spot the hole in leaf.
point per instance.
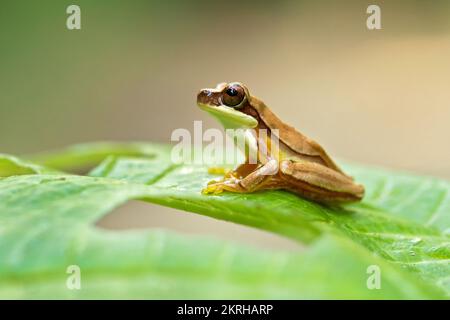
(142, 215)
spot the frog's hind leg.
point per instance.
(230, 181)
(319, 183)
(231, 185)
(261, 178)
(234, 185)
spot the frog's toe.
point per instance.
(212, 182)
(212, 188)
(206, 191)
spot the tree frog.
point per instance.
(300, 165)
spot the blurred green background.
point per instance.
(132, 72)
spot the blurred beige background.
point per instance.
(132, 72)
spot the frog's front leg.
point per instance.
(242, 181)
(240, 172)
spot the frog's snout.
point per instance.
(208, 97)
(208, 92)
(204, 93)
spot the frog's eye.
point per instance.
(233, 95)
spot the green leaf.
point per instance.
(414, 234)
(47, 223)
(84, 156)
(424, 200)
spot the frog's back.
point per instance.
(293, 144)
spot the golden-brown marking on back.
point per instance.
(290, 136)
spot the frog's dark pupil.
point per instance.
(232, 92)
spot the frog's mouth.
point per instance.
(210, 100)
(229, 117)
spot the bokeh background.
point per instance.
(378, 97)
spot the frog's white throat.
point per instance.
(229, 117)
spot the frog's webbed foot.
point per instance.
(229, 182)
(244, 180)
(217, 187)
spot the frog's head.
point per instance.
(227, 103)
